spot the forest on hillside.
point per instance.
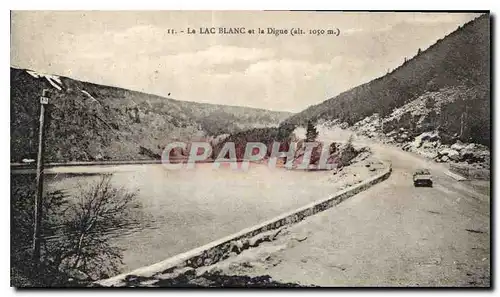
(87, 122)
(461, 59)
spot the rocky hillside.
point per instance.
(86, 121)
(445, 88)
(412, 127)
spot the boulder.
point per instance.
(452, 154)
(473, 155)
(427, 140)
(470, 146)
(429, 145)
(400, 139)
(392, 133)
(429, 136)
(344, 125)
(485, 154)
(458, 146)
(455, 156)
(417, 142)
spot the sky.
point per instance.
(135, 50)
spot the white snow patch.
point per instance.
(54, 80)
(33, 73)
(88, 95)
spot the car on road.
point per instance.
(422, 177)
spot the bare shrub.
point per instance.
(77, 246)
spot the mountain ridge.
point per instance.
(88, 121)
(145, 93)
(459, 59)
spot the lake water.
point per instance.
(184, 209)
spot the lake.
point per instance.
(184, 209)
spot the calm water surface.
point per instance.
(184, 209)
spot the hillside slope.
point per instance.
(458, 62)
(86, 121)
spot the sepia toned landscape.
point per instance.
(250, 149)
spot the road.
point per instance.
(393, 234)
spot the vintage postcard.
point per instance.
(250, 149)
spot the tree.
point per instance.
(77, 233)
(92, 220)
(311, 133)
(285, 131)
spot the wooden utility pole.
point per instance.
(44, 100)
